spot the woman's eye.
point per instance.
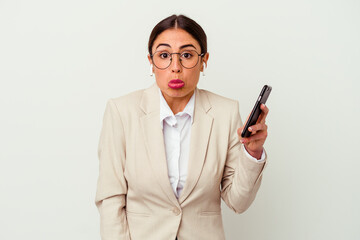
(186, 55)
(164, 55)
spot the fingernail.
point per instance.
(250, 129)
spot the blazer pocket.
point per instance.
(210, 213)
(129, 213)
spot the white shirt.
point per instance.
(177, 132)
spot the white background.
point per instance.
(61, 60)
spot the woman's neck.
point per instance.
(177, 104)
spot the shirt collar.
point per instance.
(165, 110)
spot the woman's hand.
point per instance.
(254, 143)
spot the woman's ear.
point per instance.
(205, 59)
(151, 71)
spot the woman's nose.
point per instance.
(175, 63)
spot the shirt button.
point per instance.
(176, 211)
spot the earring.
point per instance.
(151, 71)
(203, 69)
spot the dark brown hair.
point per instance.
(183, 22)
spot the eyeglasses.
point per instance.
(188, 58)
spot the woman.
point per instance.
(170, 152)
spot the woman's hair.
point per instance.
(182, 22)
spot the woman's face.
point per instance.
(175, 41)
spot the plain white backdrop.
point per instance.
(61, 60)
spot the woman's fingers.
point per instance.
(255, 137)
(264, 113)
(258, 131)
(257, 127)
(254, 143)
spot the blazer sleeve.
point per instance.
(112, 186)
(242, 175)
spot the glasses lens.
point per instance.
(188, 59)
(162, 59)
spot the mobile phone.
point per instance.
(255, 113)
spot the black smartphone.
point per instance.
(255, 113)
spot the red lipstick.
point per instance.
(176, 83)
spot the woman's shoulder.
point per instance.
(128, 104)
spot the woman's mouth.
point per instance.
(176, 83)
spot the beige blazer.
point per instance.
(134, 196)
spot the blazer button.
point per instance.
(176, 211)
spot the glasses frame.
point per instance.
(199, 55)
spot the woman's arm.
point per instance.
(242, 175)
(112, 186)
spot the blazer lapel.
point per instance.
(154, 139)
(200, 133)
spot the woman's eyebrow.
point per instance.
(187, 45)
(167, 45)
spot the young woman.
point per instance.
(170, 152)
